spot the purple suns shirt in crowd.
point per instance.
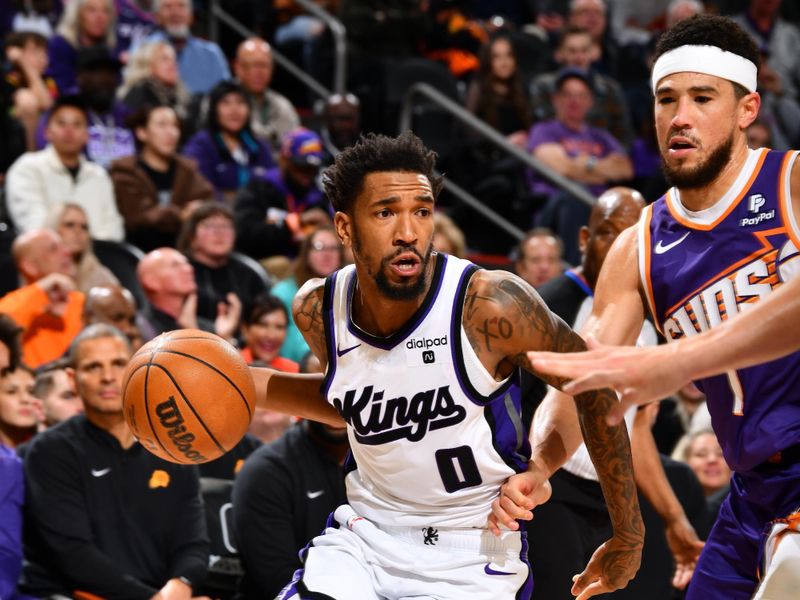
(701, 268)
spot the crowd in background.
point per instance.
(153, 179)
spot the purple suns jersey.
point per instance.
(700, 268)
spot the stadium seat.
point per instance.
(121, 259)
(255, 267)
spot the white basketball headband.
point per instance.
(708, 60)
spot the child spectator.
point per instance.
(19, 408)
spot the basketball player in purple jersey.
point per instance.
(723, 237)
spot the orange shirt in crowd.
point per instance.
(45, 337)
(278, 363)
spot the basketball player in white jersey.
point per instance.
(722, 240)
(422, 352)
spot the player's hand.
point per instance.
(685, 547)
(611, 567)
(518, 497)
(187, 318)
(639, 375)
(228, 315)
(57, 286)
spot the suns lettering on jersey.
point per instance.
(730, 293)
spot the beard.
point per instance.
(411, 289)
(704, 173)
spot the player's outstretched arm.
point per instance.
(766, 331)
(503, 318)
(295, 394)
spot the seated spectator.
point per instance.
(496, 94)
(167, 278)
(33, 93)
(152, 79)
(539, 257)
(703, 454)
(264, 329)
(70, 222)
(84, 24)
(320, 255)
(592, 15)
(200, 62)
(56, 391)
(282, 499)
(19, 408)
(573, 148)
(12, 132)
(38, 181)
(285, 201)
(226, 151)
(156, 186)
(609, 110)
(40, 17)
(113, 305)
(207, 239)
(447, 236)
(47, 307)
(681, 414)
(12, 485)
(149, 540)
(272, 115)
(341, 124)
(779, 108)
(759, 135)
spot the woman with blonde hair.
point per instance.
(70, 222)
(84, 24)
(152, 79)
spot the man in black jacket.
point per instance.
(103, 516)
(282, 498)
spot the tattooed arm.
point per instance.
(503, 318)
(295, 394)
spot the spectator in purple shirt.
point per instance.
(84, 24)
(226, 151)
(576, 150)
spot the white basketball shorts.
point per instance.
(355, 559)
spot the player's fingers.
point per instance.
(493, 527)
(683, 574)
(617, 413)
(592, 381)
(593, 589)
(513, 509)
(502, 517)
(583, 580)
(513, 493)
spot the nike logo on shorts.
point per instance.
(101, 472)
(490, 571)
(341, 353)
(317, 494)
(661, 248)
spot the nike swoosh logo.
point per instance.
(317, 494)
(341, 353)
(661, 248)
(101, 472)
(490, 571)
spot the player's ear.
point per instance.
(749, 106)
(344, 228)
(583, 239)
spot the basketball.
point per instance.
(188, 396)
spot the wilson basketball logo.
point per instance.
(172, 420)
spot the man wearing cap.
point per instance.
(724, 237)
(279, 206)
(572, 147)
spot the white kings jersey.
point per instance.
(432, 434)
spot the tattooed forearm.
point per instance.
(308, 318)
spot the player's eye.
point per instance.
(666, 100)
(702, 99)
(383, 213)
(424, 212)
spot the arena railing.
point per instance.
(339, 34)
(490, 133)
(217, 14)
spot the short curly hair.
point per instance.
(375, 153)
(713, 30)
